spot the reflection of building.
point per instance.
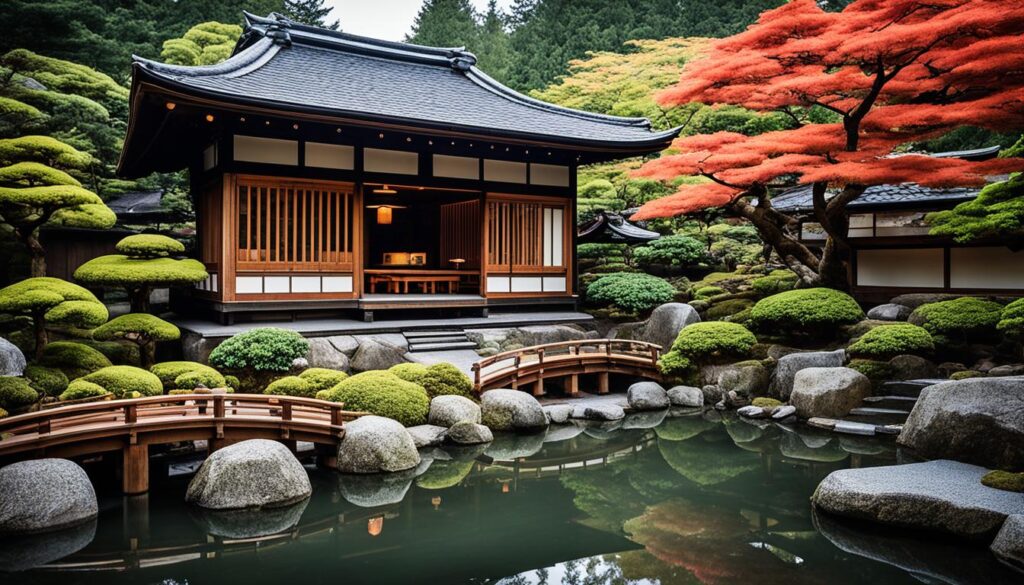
(314, 154)
(893, 252)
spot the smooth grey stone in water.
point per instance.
(257, 473)
(512, 410)
(828, 392)
(427, 435)
(373, 444)
(449, 409)
(688, 396)
(789, 365)
(44, 495)
(647, 396)
(469, 433)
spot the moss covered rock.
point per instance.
(959, 320)
(889, 341)
(291, 386)
(74, 359)
(16, 393)
(1004, 480)
(383, 394)
(126, 381)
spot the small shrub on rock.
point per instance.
(267, 349)
(16, 393)
(322, 378)
(74, 359)
(291, 386)
(384, 394)
(812, 312)
(888, 341)
(410, 372)
(444, 379)
(126, 381)
(1004, 480)
(48, 381)
(168, 373)
(636, 292)
(707, 343)
(959, 320)
(80, 389)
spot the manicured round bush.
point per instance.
(383, 394)
(671, 251)
(1011, 320)
(706, 292)
(79, 389)
(892, 340)
(291, 386)
(322, 378)
(168, 373)
(714, 341)
(444, 378)
(632, 291)
(773, 283)
(811, 312)
(16, 392)
(874, 370)
(410, 372)
(49, 381)
(74, 359)
(673, 363)
(149, 246)
(265, 349)
(959, 320)
(126, 381)
(233, 383)
(207, 377)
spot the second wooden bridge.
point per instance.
(568, 360)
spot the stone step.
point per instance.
(894, 402)
(433, 333)
(854, 428)
(439, 339)
(906, 387)
(415, 347)
(878, 416)
(869, 410)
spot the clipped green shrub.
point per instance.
(322, 378)
(599, 251)
(74, 359)
(964, 374)
(706, 343)
(149, 246)
(889, 341)
(671, 251)
(120, 353)
(410, 372)
(1004, 480)
(743, 317)
(444, 378)
(291, 386)
(874, 370)
(233, 383)
(672, 363)
(612, 267)
(79, 389)
(633, 291)
(48, 381)
(810, 312)
(728, 308)
(765, 402)
(1011, 320)
(383, 394)
(126, 381)
(142, 329)
(774, 283)
(959, 320)
(267, 349)
(16, 393)
(207, 377)
(168, 373)
(706, 292)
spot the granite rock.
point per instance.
(512, 410)
(1009, 542)
(44, 495)
(665, 323)
(469, 433)
(558, 413)
(647, 396)
(323, 354)
(374, 444)
(890, 312)
(788, 365)
(447, 410)
(828, 392)
(12, 360)
(686, 396)
(427, 435)
(257, 473)
(376, 355)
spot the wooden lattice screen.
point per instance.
(292, 226)
(521, 237)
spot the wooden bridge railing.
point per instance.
(132, 425)
(567, 359)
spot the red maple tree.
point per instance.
(859, 85)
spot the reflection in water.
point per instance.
(693, 498)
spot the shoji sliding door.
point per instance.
(528, 241)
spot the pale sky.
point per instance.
(390, 20)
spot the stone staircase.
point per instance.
(886, 411)
(438, 340)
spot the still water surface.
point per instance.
(690, 499)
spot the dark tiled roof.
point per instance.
(297, 67)
(132, 204)
(611, 228)
(798, 199)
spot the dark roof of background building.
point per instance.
(908, 195)
(296, 67)
(610, 228)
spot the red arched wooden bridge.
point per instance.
(132, 425)
(568, 360)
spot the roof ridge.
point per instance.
(252, 55)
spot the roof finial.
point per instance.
(277, 31)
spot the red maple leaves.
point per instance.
(886, 72)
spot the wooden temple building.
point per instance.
(336, 172)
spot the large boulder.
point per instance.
(944, 496)
(790, 364)
(447, 410)
(469, 433)
(374, 444)
(12, 361)
(686, 396)
(323, 354)
(558, 413)
(543, 334)
(376, 355)
(44, 495)
(828, 392)
(912, 367)
(257, 473)
(976, 420)
(747, 378)
(512, 410)
(647, 396)
(1009, 543)
(890, 312)
(667, 321)
(427, 435)
(345, 344)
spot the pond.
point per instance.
(693, 498)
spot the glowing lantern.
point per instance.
(383, 215)
(375, 526)
(436, 501)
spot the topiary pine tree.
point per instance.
(52, 301)
(144, 263)
(141, 329)
(206, 43)
(35, 191)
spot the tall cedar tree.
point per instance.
(312, 12)
(493, 48)
(444, 23)
(887, 72)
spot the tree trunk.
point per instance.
(771, 228)
(139, 298)
(37, 253)
(39, 329)
(147, 354)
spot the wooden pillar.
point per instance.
(538, 387)
(135, 469)
(572, 385)
(602, 383)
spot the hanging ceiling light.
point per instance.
(383, 216)
(384, 190)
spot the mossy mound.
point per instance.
(965, 374)
(812, 312)
(81, 389)
(1004, 480)
(48, 381)
(193, 379)
(888, 341)
(126, 381)
(149, 246)
(291, 386)
(384, 394)
(706, 343)
(446, 379)
(322, 378)
(765, 402)
(16, 393)
(409, 371)
(168, 373)
(74, 359)
(959, 320)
